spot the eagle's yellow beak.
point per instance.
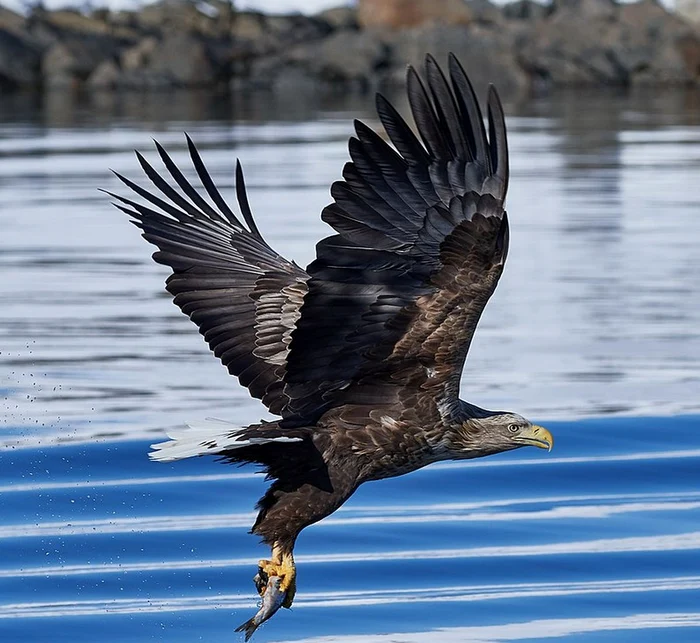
(536, 436)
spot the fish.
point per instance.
(272, 600)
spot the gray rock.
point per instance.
(19, 61)
(487, 53)
(588, 9)
(177, 60)
(249, 26)
(187, 44)
(638, 43)
(484, 11)
(256, 34)
(70, 63)
(345, 56)
(211, 18)
(105, 76)
(658, 46)
(183, 60)
(525, 10)
(339, 17)
(565, 51)
(139, 56)
(689, 10)
(325, 61)
(12, 22)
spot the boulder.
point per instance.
(569, 48)
(212, 19)
(296, 28)
(339, 17)
(657, 46)
(603, 43)
(484, 11)
(12, 22)
(183, 44)
(183, 60)
(525, 10)
(399, 14)
(689, 10)
(249, 26)
(487, 53)
(329, 58)
(105, 76)
(74, 22)
(70, 63)
(324, 62)
(20, 61)
(49, 27)
(139, 55)
(587, 9)
(256, 34)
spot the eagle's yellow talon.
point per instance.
(283, 566)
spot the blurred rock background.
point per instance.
(523, 45)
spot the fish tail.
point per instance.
(248, 627)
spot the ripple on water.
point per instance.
(596, 314)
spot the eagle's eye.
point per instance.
(513, 428)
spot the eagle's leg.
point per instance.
(281, 565)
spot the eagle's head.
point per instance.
(499, 431)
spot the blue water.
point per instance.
(594, 331)
(599, 538)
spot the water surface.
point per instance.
(594, 330)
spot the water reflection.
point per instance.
(596, 312)
(66, 109)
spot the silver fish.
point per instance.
(272, 600)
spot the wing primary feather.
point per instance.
(184, 184)
(446, 108)
(400, 133)
(242, 198)
(225, 277)
(391, 166)
(382, 153)
(209, 186)
(497, 139)
(166, 189)
(424, 115)
(143, 213)
(163, 205)
(471, 112)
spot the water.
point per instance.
(593, 331)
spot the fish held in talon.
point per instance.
(272, 599)
(359, 356)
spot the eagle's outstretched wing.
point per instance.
(422, 238)
(243, 296)
(396, 294)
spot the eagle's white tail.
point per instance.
(208, 437)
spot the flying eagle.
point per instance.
(360, 355)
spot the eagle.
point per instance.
(360, 355)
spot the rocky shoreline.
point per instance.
(522, 45)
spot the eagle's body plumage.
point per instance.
(360, 355)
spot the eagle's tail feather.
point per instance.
(208, 437)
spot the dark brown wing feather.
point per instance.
(243, 296)
(422, 238)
